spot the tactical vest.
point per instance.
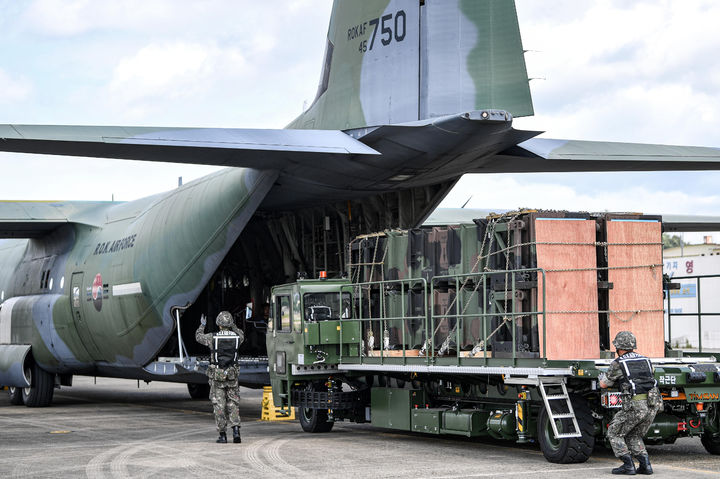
(224, 349)
(638, 373)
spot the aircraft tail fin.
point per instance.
(395, 61)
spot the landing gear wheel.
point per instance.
(199, 391)
(711, 443)
(42, 386)
(16, 398)
(314, 420)
(569, 450)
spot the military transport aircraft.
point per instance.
(413, 94)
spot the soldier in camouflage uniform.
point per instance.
(223, 372)
(633, 374)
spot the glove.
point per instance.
(203, 319)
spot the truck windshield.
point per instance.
(326, 306)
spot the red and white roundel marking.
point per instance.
(97, 287)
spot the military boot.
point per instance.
(645, 467)
(628, 467)
(236, 434)
(222, 438)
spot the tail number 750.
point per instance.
(392, 27)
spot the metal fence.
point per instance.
(388, 317)
(698, 281)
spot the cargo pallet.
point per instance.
(498, 329)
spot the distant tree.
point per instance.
(672, 241)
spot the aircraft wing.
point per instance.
(690, 223)
(35, 219)
(549, 155)
(671, 222)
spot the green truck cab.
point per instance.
(310, 329)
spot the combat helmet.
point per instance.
(625, 340)
(224, 320)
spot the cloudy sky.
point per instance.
(615, 70)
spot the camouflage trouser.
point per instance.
(225, 399)
(628, 427)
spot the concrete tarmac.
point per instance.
(115, 429)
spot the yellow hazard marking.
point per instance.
(581, 372)
(338, 328)
(306, 330)
(270, 412)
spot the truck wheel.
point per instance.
(199, 391)
(568, 450)
(16, 398)
(314, 420)
(42, 386)
(711, 443)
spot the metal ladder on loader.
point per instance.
(548, 398)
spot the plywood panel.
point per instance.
(576, 335)
(394, 353)
(637, 288)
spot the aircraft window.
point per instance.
(283, 313)
(2, 296)
(50, 284)
(62, 282)
(76, 297)
(326, 306)
(44, 279)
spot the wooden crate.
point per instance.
(574, 335)
(637, 288)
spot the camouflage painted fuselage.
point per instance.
(110, 278)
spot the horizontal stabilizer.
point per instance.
(253, 148)
(413, 154)
(548, 155)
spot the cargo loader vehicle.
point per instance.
(496, 329)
